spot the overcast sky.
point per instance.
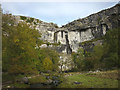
(57, 12)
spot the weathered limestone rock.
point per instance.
(93, 26)
(77, 31)
(65, 62)
(43, 46)
(86, 35)
(25, 80)
(74, 37)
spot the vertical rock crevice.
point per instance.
(55, 37)
(69, 50)
(62, 34)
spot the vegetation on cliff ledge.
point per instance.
(103, 57)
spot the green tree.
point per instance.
(78, 59)
(110, 58)
(46, 52)
(47, 64)
(19, 42)
(98, 52)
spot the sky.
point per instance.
(60, 13)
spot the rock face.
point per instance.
(71, 35)
(46, 30)
(65, 62)
(91, 27)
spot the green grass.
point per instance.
(113, 74)
(7, 77)
(38, 79)
(10, 77)
(10, 80)
(20, 85)
(105, 79)
(17, 85)
(88, 82)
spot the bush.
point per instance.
(102, 57)
(23, 17)
(19, 53)
(78, 59)
(30, 20)
(111, 61)
(47, 64)
(37, 79)
(51, 55)
(35, 23)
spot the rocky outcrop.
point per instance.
(72, 34)
(66, 62)
(46, 30)
(107, 16)
(93, 26)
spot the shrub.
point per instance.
(23, 17)
(47, 64)
(30, 20)
(50, 55)
(38, 79)
(35, 23)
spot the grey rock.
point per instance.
(25, 80)
(77, 82)
(50, 81)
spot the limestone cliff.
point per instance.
(46, 29)
(72, 34)
(93, 26)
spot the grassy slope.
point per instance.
(106, 79)
(89, 81)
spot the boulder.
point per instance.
(50, 81)
(25, 80)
